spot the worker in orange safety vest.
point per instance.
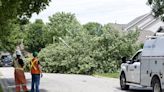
(35, 72)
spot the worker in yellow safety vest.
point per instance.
(36, 73)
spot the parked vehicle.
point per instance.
(146, 67)
(6, 60)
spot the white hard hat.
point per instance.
(18, 52)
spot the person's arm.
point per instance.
(29, 64)
(14, 63)
(40, 68)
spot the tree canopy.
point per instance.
(9, 39)
(35, 36)
(93, 28)
(85, 49)
(157, 7)
(12, 9)
(62, 24)
(13, 13)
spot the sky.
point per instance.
(101, 11)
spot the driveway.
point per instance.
(66, 83)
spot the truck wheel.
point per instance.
(123, 82)
(156, 85)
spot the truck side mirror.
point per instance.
(123, 59)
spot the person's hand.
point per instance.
(41, 75)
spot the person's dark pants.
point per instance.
(35, 82)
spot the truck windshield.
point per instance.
(137, 57)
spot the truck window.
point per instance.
(137, 57)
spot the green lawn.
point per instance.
(1, 89)
(109, 75)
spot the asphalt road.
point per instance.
(67, 83)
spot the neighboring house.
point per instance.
(116, 26)
(143, 34)
(147, 24)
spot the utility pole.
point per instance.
(61, 41)
(64, 42)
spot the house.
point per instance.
(147, 24)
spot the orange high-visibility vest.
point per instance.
(35, 66)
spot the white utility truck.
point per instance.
(146, 67)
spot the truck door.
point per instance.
(134, 68)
